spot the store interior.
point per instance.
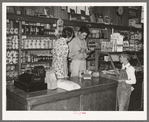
(113, 30)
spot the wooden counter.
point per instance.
(98, 94)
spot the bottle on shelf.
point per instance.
(34, 29)
(37, 29)
(27, 28)
(30, 29)
(41, 31)
(28, 58)
(23, 28)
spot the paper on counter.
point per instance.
(67, 85)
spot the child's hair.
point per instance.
(68, 32)
(124, 54)
(84, 29)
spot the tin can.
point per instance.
(11, 30)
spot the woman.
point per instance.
(60, 52)
(126, 79)
(78, 51)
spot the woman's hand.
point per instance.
(88, 51)
(82, 50)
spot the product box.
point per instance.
(119, 49)
(29, 11)
(106, 46)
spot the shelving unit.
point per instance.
(42, 62)
(70, 23)
(36, 49)
(19, 19)
(12, 50)
(33, 19)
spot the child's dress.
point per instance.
(59, 62)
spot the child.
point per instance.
(126, 79)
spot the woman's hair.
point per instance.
(126, 55)
(84, 29)
(68, 32)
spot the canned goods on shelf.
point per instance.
(11, 31)
(12, 67)
(16, 30)
(8, 68)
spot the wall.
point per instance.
(59, 13)
(110, 11)
(106, 11)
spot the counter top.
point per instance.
(39, 97)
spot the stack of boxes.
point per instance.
(114, 45)
(117, 41)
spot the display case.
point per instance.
(107, 62)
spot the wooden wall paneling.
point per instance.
(106, 11)
(63, 105)
(115, 19)
(125, 18)
(14, 105)
(110, 11)
(100, 101)
(56, 12)
(93, 101)
(59, 13)
(64, 14)
(113, 15)
(109, 98)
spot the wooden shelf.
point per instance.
(104, 52)
(28, 18)
(12, 34)
(12, 49)
(35, 49)
(44, 62)
(50, 36)
(100, 25)
(108, 61)
(12, 64)
(69, 22)
(96, 38)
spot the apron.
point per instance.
(123, 91)
(123, 76)
(76, 66)
(79, 63)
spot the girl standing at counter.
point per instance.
(60, 52)
(126, 79)
(78, 51)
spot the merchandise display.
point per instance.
(31, 34)
(12, 52)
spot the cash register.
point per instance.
(33, 80)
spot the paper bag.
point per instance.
(51, 80)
